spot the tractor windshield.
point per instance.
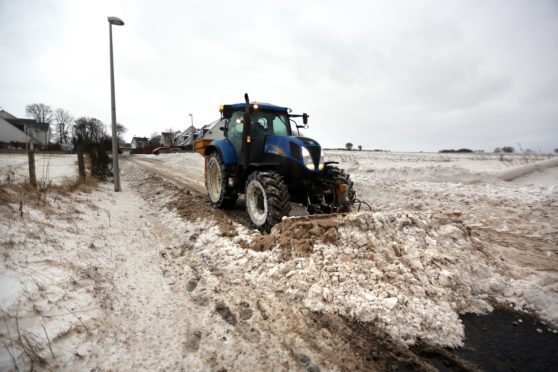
(271, 122)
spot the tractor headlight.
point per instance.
(307, 159)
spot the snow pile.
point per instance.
(410, 273)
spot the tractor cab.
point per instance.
(247, 132)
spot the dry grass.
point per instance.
(20, 339)
(22, 193)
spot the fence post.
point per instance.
(81, 163)
(31, 158)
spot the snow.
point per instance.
(152, 278)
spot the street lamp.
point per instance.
(117, 22)
(193, 131)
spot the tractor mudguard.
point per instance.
(225, 148)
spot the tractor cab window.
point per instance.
(235, 128)
(272, 123)
(262, 124)
(281, 125)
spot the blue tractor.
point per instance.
(261, 158)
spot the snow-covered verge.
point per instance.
(54, 275)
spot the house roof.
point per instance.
(6, 115)
(22, 123)
(140, 139)
(187, 131)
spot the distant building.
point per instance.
(185, 138)
(13, 129)
(191, 134)
(212, 130)
(126, 148)
(167, 139)
(139, 142)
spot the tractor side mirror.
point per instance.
(305, 118)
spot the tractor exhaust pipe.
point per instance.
(246, 132)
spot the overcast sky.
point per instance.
(397, 75)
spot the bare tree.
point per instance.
(120, 129)
(349, 146)
(40, 112)
(62, 120)
(89, 135)
(89, 130)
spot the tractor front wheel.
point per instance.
(267, 199)
(342, 193)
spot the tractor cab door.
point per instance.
(261, 125)
(234, 133)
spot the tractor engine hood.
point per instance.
(301, 149)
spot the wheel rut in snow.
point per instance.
(188, 198)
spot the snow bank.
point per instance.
(411, 273)
(516, 172)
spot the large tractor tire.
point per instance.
(267, 199)
(342, 194)
(220, 194)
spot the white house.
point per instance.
(139, 142)
(13, 129)
(166, 139)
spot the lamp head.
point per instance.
(115, 21)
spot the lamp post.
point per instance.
(193, 131)
(117, 22)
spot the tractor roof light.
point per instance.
(221, 108)
(256, 106)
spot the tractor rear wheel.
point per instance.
(220, 194)
(267, 199)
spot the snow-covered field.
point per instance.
(153, 278)
(48, 167)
